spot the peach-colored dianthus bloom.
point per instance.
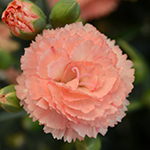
(92, 9)
(75, 82)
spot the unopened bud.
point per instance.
(24, 19)
(64, 12)
(8, 100)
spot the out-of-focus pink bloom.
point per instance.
(92, 9)
(6, 43)
(4, 31)
(75, 82)
(11, 74)
(22, 19)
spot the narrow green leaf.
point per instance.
(140, 65)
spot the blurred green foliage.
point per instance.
(88, 144)
(5, 59)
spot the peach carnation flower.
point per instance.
(75, 82)
(92, 9)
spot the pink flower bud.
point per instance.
(24, 19)
(8, 100)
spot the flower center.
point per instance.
(80, 77)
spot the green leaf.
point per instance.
(134, 106)
(5, 59)
(140, 65)
(88, 144)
